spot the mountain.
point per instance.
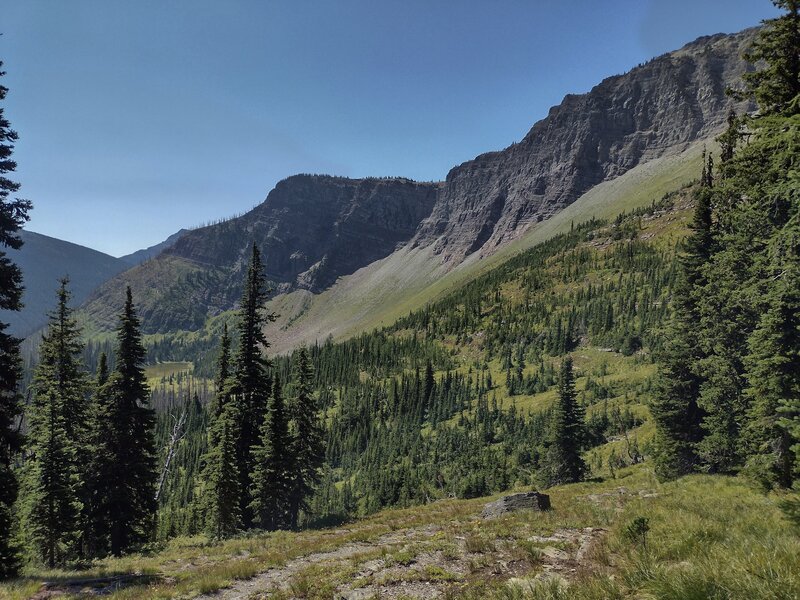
(311, 230)
(656, 109)
(135, 258)
(44, 260)
(381, 241)
(314, 228)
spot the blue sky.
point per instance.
(139, 118)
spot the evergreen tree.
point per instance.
(273, 468)
(50, 494)
(221, 492)
(221, 495)
(674, 407)
(729, 140)
(430, 384)
(773, 374)
(223, 373)
(776, 86)
(222, 391)
(307, 448)
(13, 214)
(94, 525)
(102, 371)
(250, 387)
(124, 443)
(53, 489)
(564, 463)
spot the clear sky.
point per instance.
(137, 118)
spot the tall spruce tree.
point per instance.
(273, 467)
(674, 406)
(221, 382)
(222, 390)
(564, 463)
(250, 388)
(773, 375)
(221, 491)
(95, 526)
(221, 494)
(57, 440)
(13, 214)
(306, 448)
(125, 445)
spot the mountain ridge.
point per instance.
(43, 260)
(139, 256)
(660, 106)
(314, 230)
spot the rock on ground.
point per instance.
(514, 502)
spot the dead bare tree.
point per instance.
(634, 456)
(177, 435)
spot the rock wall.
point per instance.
(656, 108)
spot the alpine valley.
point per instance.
(319, 397)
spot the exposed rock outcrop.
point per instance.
(656, 108)
(515, 502)
(312, 229)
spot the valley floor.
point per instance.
(709, 537)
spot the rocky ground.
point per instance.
(427, 562)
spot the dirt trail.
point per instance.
(280, 578)
(423, 563)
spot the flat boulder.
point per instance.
(515, 502)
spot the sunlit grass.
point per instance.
(709, 537)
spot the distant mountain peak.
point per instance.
(44, 260)
(135, 258)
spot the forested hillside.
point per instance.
(455, 399)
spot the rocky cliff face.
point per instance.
(657, 108)
(314, 229)
(311, 229)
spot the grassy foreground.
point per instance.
(709, 537)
